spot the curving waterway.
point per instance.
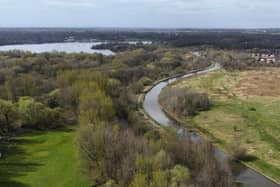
(242, 173)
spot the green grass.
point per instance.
(43, 159)
(253, 121)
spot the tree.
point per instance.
(109, 153)
(28, 83)
(8, 115)
(37, 115)
(53, 98)
(180, 176)
(139, 180)
(159, 179)
(162, 161)
(100, 58)
(10, 88)
(95, 106)
(32, 113)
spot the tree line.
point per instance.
(220, 39)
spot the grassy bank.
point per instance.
(246, 109)
(42, 159)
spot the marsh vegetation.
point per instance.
(244, 114)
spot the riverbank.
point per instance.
(235, 117)
(148, 88)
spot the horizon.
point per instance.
(148, 28)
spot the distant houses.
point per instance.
(267, 57)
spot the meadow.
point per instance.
(43, 159)
(245, 111)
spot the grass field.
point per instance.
(246, 109)
(42, 159)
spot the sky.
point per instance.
(141, 13)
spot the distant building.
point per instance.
(266, 57)
(70, 39)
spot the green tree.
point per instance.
(8, 115)
(159, 179)
(161, 160)
(139, 180)
(10, 88)
(32, 113)
(36, 114)
(144, 164)
(95, 106)
(180, 176)
(28, 83)
(53, 98)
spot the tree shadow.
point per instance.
(32, 132)
(13, 162)
(249, 158)
(238, 168)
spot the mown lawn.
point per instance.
(246, 109)
(42, 159)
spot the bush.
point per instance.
(8, 116)
(180, 176)
(36, 115)
(238, 152)
(146, 81)
(183, 101)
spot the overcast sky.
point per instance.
(141, 13)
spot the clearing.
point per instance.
(43, 159)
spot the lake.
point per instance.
(71, 47)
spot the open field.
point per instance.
(246, 109)
(43, 159)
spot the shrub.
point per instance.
(180, 176)
(36, 115)
(146, 81)
(8, 116)
(238, 152)
(183, 101)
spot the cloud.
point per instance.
(152, 13)
(164, 5)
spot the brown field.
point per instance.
(259, 83)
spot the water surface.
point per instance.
(70, 47)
